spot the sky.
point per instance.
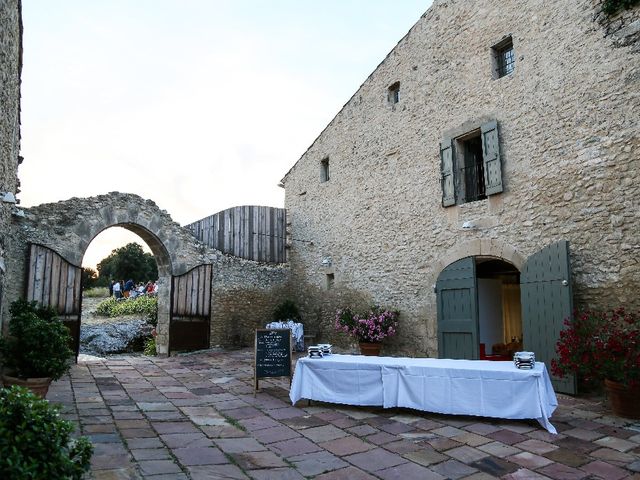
(198, 105)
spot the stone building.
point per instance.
(10, 67)
(492, 132)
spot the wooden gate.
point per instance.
(546, 298)
(458, 310)
(54, 282)
(190, 319)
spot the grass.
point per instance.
(96, 292)
(146, 306)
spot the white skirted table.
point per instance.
(297, 331)
(458, 387)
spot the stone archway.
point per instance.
(68, 227)
(478, 247)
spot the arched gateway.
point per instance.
(58, 235)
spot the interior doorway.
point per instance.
(499, 308)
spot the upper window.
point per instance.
(324, 170)
(504, 58)
(470, 165)
(393, 94)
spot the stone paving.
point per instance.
(195, 417)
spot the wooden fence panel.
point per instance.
(251, 232)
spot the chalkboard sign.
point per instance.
(273, 354)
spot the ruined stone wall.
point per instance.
(244, 292)
(569, 139)
(10, 68)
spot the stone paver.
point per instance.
(377, 459)
(311, 464)
(195, 417)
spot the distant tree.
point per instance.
(89, 278)
(128, 262)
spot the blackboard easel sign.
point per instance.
(272, 354)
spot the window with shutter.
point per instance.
(471, 167)
(491, 158)
(447, 179)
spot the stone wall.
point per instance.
(244, 292)
(569, 140)
(10, 68)
(623, 28)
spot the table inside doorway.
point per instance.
(458, 387)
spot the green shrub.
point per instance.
(96, 292)
(145, 305)
(286, 310)
(611, 7)
(150, 347)
(35, 443)
(38, 343)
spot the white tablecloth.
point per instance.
(459, 387)
(297, 330)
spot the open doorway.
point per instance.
(119, 294)
(499, 309)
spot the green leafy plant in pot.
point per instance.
(35, 443)
(37, 348)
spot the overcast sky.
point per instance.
(199, 105)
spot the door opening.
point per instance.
(499, 310)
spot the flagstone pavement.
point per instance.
(195, 417)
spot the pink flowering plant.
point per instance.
(368, 327)
(600, 345)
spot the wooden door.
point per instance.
(458, 310)
(54, 282)
(190, 319)
(547, 300)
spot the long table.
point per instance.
(458, 387)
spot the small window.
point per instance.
(393, 95)
(504, 58)
(324, 170)
(331, 280)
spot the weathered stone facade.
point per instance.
(10, 67)
(244, 292)
(569, 143)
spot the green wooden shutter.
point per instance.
(446, 168)
(458, 310)
(491, 158)
(545, 292)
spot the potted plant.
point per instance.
(37, 348)
(604, 348)
(35, 442)
(369, 328)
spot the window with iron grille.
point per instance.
(471, 168)
(504, 58)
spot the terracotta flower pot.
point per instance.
(370, 349)
(39, 386)
(623, 400)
